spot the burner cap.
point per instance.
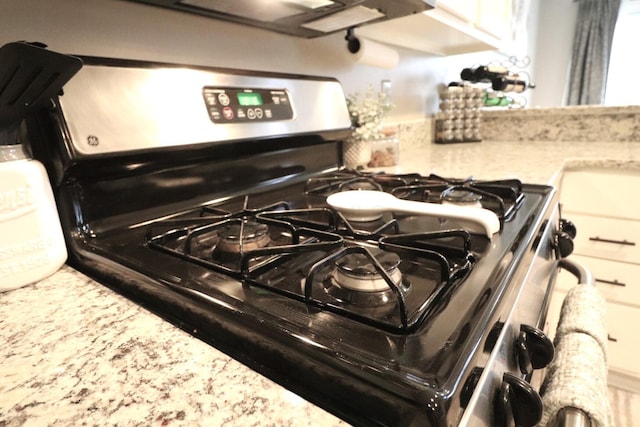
(243, 236)
(357, 271)
(461, 197)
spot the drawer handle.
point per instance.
(610, 338)
(613, 282)
(619, 242)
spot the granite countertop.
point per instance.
(537, 162)
(75, 353)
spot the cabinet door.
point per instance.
(494, 17)
(623, 345)
(468, 10)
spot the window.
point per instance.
(622, 87)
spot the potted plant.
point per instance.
(366, 114)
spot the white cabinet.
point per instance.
(452, 27)
(602, 204)
(495, 18)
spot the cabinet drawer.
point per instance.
(618, 281)
(607, 238)
(601, 192)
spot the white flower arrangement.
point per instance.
(367, 114)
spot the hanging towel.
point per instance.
(577, 378)
(584, 310)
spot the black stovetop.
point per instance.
(279, 309)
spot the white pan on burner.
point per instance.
(369, 205)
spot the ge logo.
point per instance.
(92, 140)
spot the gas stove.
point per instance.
(202, 195)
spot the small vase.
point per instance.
(356, 152)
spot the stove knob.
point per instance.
(564, 244)
(470, 386)
(516, 403)
(564, 238)
(534, 349)
(568, 227)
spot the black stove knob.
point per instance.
(564, 238)
(564, 244)
(534, 349)
(470, 386)
(516, 403)
(568, 227)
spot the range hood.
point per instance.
(301, 18)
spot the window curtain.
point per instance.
(592, 42)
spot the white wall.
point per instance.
(118, 28)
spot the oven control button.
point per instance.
(227, 112)
(516, 403)
(534, 349)
(224, 98)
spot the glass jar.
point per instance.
(385, 151)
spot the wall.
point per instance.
(119, 28)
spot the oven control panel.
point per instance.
(242, 105)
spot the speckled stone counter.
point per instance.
(75, 353)
(530, 144)
(536, 162)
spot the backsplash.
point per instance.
(583, 123)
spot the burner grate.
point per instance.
(293, 252)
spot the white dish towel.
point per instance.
(577, 377)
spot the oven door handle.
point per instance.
(584, 276)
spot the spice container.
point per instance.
(385, 151)
(459, 117)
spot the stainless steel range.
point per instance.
(201, 194)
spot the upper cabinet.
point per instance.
(452, 27)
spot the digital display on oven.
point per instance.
(247, 105)
(249, 98)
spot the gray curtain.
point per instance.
(592, 41)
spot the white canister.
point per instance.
(32, 244)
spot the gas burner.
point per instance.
(242, 236)
(360, 184)
(461, 197)
(358, 271)
(357, 279)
